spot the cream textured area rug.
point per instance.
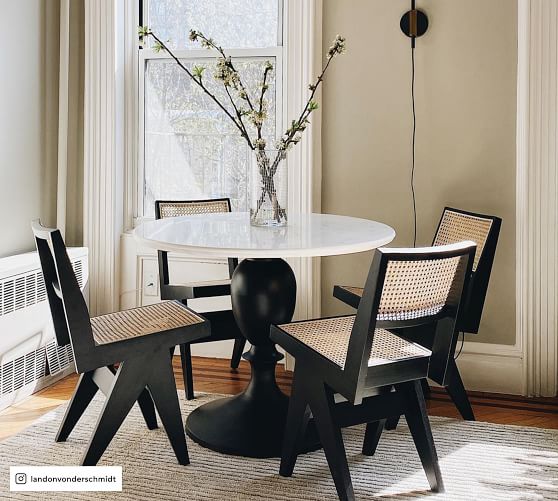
(479, 461)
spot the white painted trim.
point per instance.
(500, 350)
(103, 152)
(131, 118)
(63, 84)
(203, 54)
(302, 38)
(495, 368)
(536, 195)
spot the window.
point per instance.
(188, 148)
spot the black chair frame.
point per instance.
(223, 325)
(144, 372)
(472, 307)
(373, 394)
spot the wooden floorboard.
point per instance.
(215, 376)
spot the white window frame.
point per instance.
(301, 58)
(146, 54)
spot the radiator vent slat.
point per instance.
(78, 271)
(28, 289)
(7, 377)
(27, 369)
(19, 373)
(59, 357)
(8, 296)
(20, 293)
(41, 288)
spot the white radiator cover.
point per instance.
(30, 359)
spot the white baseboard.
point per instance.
(495, 368)
(216, 349)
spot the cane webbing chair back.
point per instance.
(174, 208)
(415, 289)
(191, 208)
(69, 310)
(411, 287)
(457, 225)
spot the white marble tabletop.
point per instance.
(231, 235)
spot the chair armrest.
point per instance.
(349, 295)
(193, 290)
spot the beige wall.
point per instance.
(29, 125)
(28, 110)
(466, 103)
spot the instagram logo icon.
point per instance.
(20, 478)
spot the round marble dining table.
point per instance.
(263, 292)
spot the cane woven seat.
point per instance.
(192, 208)
(330, 338)
(142, 321)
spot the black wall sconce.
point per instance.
(413, 24)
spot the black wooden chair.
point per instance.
(139, 340)
(374, 369)
(223, 324)
(455, 226)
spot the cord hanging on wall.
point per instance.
(413, 24)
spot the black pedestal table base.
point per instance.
(251, 424)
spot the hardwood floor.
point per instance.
(215, 376)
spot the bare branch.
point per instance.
(203, 87)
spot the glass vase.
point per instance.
(268, 188)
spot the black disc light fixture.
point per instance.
(413, 24)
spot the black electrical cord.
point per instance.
(413, 145)
(461, 347)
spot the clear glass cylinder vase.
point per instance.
(268, 188)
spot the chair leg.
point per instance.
(238, 349)
(392, 423)
(457, 393)
(129, 382)
(425, 387)
(148, 409)
(162, 387)
(321, 405)
(186, 360)
(144, 400)
(83, 394)
(419, 425)
(296, 424)
(372, 437)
